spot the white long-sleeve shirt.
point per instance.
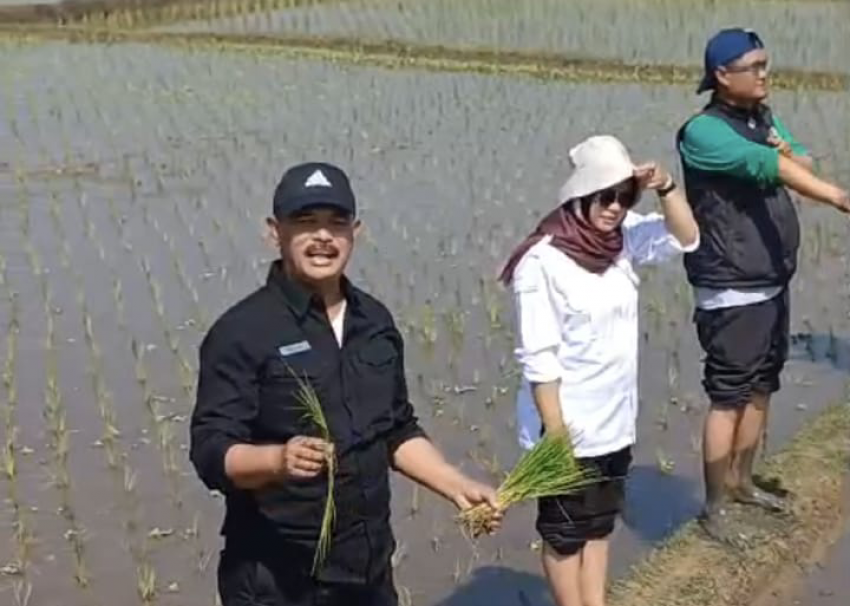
(582, 328)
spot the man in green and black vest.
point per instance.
(739, 162)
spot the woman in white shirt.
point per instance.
(576, 293)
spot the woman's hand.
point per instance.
(652, 175)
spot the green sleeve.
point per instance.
(798, 148)
(711, 145)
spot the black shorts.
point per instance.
(246, 581)
(567, 522)
(745, 348)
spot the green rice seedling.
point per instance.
(414, 501)
(24, 538)
(22, 592)
(166, 445)
(10, 465)
(665, 464)
(129, 479)
(550, 468)
(696, 442)
(454, 321)
(118, 299)
(146, 583)
(81, 573)
(405, 596)
(489, 463)
(457, 574)
(188, 376)
(311, 408)
(172, 340)
(427, 326)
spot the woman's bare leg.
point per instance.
(594, 570)
(564, 576)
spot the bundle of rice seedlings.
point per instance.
(547, 470)
(312, 409)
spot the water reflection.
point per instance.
(657, 504)
(500, 586)
(821, 348)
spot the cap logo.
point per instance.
(317, 179)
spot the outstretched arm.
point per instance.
(711, 145)
(807, 184)
(419, 460)
(416, 457)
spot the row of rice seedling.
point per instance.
(125, 477)
(163, 420)
(635, 32)
(23, 536)
(90, 231)
(59, 438)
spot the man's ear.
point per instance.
(721, 76)
(272, 234)
(358, 227)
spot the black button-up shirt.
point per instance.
(246, 394)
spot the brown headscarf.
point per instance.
(574, 236)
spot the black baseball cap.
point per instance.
(313, 184)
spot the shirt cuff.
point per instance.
(541, 367)
(767, 168)
(209, 461)
(686, 249)
(403, 433)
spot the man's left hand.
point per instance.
(781, 144)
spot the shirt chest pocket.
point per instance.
(597, 314)
(286, 383)
(376, 368)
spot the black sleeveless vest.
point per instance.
(749, 234)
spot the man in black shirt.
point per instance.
(251, 441)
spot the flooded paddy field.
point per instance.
(134, 181)
(653, 31)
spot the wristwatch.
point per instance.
(668, 187)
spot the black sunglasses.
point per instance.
(626, 197)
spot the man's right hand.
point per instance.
(304, 457)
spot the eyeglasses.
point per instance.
(759, 67)
(626, 197)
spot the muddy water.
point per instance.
(656, 31)
(828, 584)
(143, 178)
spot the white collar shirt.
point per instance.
(582, 328)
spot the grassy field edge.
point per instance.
(690, 570)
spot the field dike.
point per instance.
(690, 570)
(394, 54)
(139, 13)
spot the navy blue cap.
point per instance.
(313, 184)
(723, 48)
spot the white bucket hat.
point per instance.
(598, 163)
